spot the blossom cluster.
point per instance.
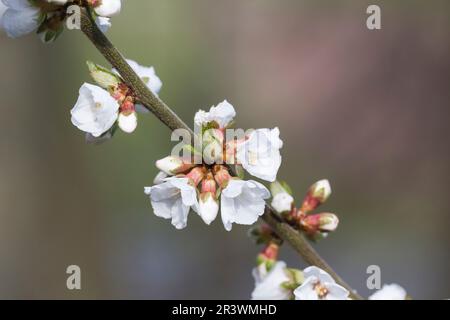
(47, 17)
(275, 281)
(212, 184)
(101, 108)
(316, 226)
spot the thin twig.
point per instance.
(171, 120)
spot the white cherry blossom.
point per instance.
(260, 153)
(147, 74)
(20, 18)
(222, 114)
(173, 199)
(389, 292)
(242, 202)
(319, 285)
(321, 190)
(269, 284)
(96, 111)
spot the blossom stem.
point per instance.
(173, 122)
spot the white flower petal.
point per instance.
(314, 271)
(17, 4)
(282, 202)
(242, 202)
(103, 23)
(170, 165)
(128, 122)
(108, 8)
(20, 18)
(147, 74)
(95, 111)
(315, 276)
(222, 114)
(3, 8)
(160, 177)
(173, 200)
(260, 153)
(306, 290)
(208, 208)
(389, 292)
(336, 292)
(269, 286)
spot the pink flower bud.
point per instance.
(322, 222)
(269, 253)
(127, 106)
(120, 92)
(209, 184)
(196, 175)
(317, 194)
(173, 165)
(221, 175)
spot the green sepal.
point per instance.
(279, 186)
(102, 76)
(296, 275)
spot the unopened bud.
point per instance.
(282, 202)
(222, 176)
(322, 222)
(103, 77)
(317, 194)
(269, 254)
(196, 175)
(209, 184)
(172, 165)
(213, 146)
(127, 121)
(120, 92)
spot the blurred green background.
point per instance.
(366, 109)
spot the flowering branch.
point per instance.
(172, 121)
(115, 58)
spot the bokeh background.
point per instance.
(368, 110)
